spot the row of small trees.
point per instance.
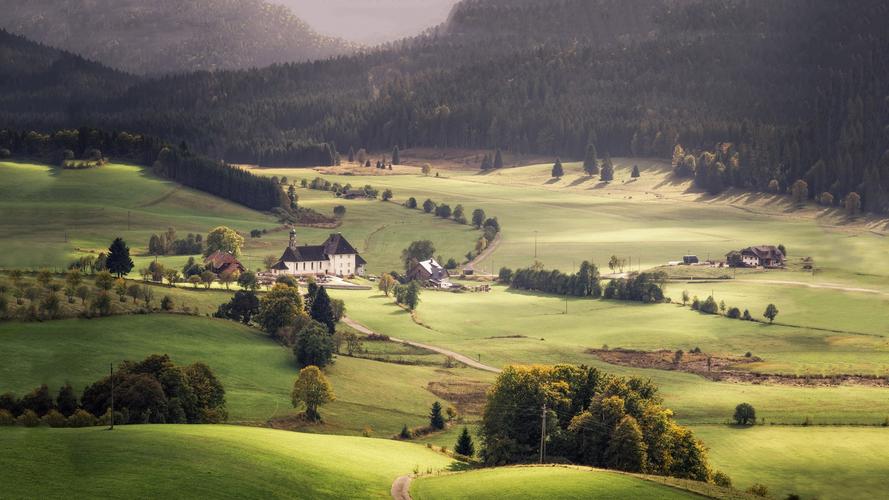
(489, 226)
(710, 306)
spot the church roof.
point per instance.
(336, 244)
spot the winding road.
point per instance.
(466, 360)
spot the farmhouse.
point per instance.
(764, 255)
(428, 271)
(223, 262)
(335, 256)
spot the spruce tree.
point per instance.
(396, 156)
(590, 161)
(464, 444)
(436, 420)
(351, 155)
(558, 171)
(486, 163)
(119, 261)
(635, 174)
(607, 173)
(498, 159)
(322, 311)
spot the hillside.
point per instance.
(815, 111)
(170, 36)
(165, 461)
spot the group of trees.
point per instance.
(492, 163)
(167, 243)
(591, 418)
(306, 323)
(642, 287)
(154, 390)
(583, 283)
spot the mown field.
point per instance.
(203, 461)
(256, 372)
(42, 206)
(541, 482)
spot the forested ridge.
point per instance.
(168, 36)
(777, 90)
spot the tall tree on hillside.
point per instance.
(224, 239)
(486, 163)
(464, 444)
(417, 251)
(322, 311)
(292, 196)
(478, 218)
(558, 171)
(498, 159)
(311, 389)
(591, 161)
(351, 154)
(436, 419)
(396, 156)
(119, 261)
(635, 173)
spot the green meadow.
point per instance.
(203, 461)
(541, 482)
(256, 372)
(814, 462)
(53, 216)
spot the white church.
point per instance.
(333, 257)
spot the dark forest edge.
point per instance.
(176, 163)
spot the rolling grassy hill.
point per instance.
(43, 205)
(202, 461)
(256, 372)
(541, 482)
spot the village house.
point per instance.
(428, 271)
(220, 262)
(333, 257)
(767, 256)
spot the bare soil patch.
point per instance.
(467, 396)
(728, 368)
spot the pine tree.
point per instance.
(436, 420)
(396, 156)
(635, 174)
(351, 155)
(322, 311)
(464, 444)
(558, 171)
(119, 261)
(486, 163)
(590, 161)
(498, 159)
(607, 172)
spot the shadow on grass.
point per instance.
(458, 466)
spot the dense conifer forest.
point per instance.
(773, 92)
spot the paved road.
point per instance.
(401, 488)
(466, 360)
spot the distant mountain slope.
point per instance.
(170, 36)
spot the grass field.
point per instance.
(256, 372)
(540, 482)
(504, 327)
(42, 206)
(814, 462)
(202, 461)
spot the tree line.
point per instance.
(151, 391)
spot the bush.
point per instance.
(733, 313)
(745, 414)
(167, 303)
(721, 479)
(28, 419)
(6, 418)
(54, 419)
(759, 490)
(81, 418)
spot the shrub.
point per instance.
(405, 433)
(721, 479)
(759, 490)
(54, 419)
(733, 313)
(745, 414)
(6, 418)
(28, 419)
(167, 303)
(81, 418)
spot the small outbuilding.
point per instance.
(690, 259)
(428, 271)
(220, 262)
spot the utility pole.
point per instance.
(112, 397)
(543, 434)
